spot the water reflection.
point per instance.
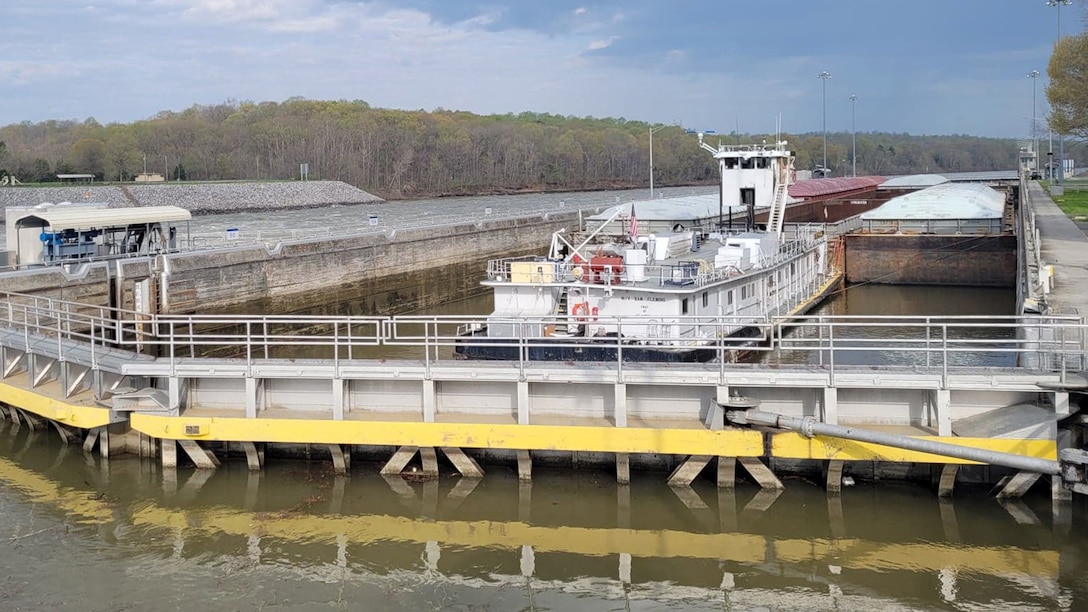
(964, 317)
(298, 535)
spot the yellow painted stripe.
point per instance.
(85, 417)
(749, 548)
(731, 443)
(796, 446)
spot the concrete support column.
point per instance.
(829, 404)
(727, 472)
(399, 460)
(338, 408)
(429, 459)
(339, 461)
(525, 466)
(466, 465)
(948, 479)
(252, 387)
(834, 476)
(1061, 403)
(173, 391)
(620, 404)
(253, 457)
(523, 405)
(88, 442)
(430, 408)
(715, 417)
(169, 453)
(686, 472)
(943, 408)
(623, 468)
(761, 473)
(117, 440)
(204, 460)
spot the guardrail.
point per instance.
(935, 344)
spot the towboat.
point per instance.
(664, 280)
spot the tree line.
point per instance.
(416, 153)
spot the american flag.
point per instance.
(634, 224)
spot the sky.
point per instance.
(918, 66)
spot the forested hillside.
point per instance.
(397, 153)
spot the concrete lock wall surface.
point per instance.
(378, 274)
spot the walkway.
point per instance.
(1065, 247)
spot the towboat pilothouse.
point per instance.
(664, 280)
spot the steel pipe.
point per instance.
(811, 427)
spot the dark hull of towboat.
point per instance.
(480, 346)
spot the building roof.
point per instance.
(944, 201)
(60, 218)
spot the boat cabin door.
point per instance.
(748, 200)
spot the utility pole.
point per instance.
(824, 76)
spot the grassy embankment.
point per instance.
(1075, 200)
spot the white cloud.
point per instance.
(602, 44)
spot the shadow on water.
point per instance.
(123, 534)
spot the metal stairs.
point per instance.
(778, 209)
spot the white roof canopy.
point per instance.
(84, 218)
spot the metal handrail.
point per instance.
(1059, 342)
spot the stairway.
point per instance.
(778, 209)
(562, 309)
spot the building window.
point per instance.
(684, 306)
(706, 299)
(729, 297)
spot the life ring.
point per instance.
(580, 311)
(793, 175)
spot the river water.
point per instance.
(80, 532)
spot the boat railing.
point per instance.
(696, 271)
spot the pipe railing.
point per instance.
(936, 343)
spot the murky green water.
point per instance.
(77, 532)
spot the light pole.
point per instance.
(652, 130)
(166, 166)
(824, 76)
(1034, 76)
(853, 136)
(1061, 137)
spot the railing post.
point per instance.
(523, 350)
(427, 349)
(928, 333)
(619, 351)
(944, 355)
(831, 351)
(249, 349)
